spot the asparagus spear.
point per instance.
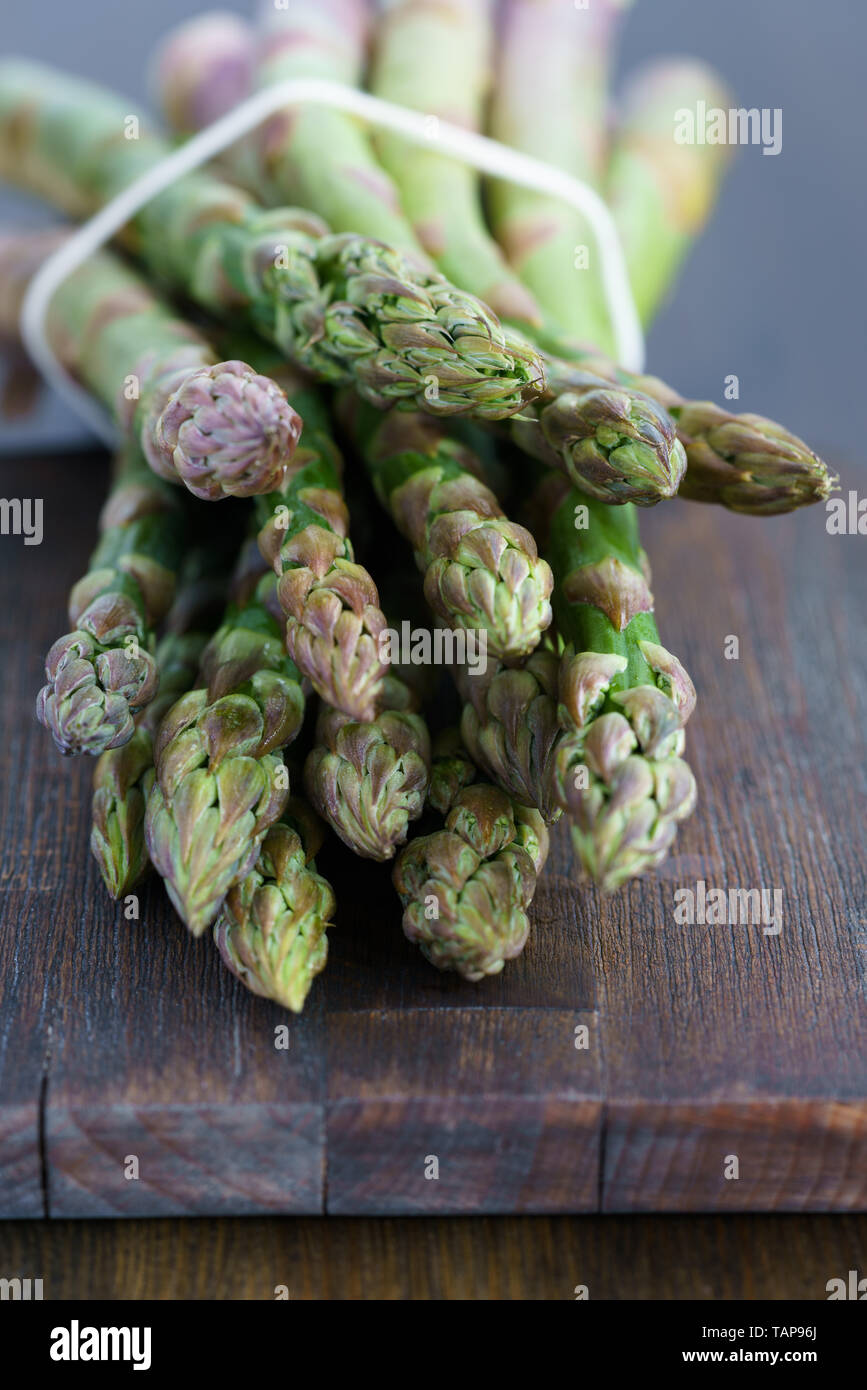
(218, 427)
(102, 671)
(435, 58)
(369, 780)
(203, 68)
(349, 310)
(623, 699)
(220, 781)
(607, 434)
(482, 572)
(549, 102)
(322, 158)
(660, 192)
(511, 729)
(466, 889)
(271, 929)
(333, 619)
(122, 776)
(309, 156)
(331, 604)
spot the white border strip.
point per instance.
(488, 156)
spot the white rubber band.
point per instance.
(488, 156)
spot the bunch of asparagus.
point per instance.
(330, 304)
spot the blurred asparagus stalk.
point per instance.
(220, 428)
(549, 99)
(309, 156)
(434, 56)
(271, 928)
(321, 158)
(661, 193)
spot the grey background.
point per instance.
(773, 292)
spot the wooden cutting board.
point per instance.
(710, 1049)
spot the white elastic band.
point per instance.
(488, 156)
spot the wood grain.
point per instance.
(713, 1258)
(122, 1039)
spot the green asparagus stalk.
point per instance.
(435, 58)
(103, 670)
(661, 193)
(321, 158)
(122, 776)
(369, 780)
(202, 69)
(623, 699)
(607, 434)
(271, 929)
(549, 102)
(466, 889)
(347, 309)
(121, 780)
(309, 156)
(511, 728)
(220, 780)
(218, 427)
(482, 572)
(334, 623)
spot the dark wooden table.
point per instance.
(707, 1043)
(475, 1258)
